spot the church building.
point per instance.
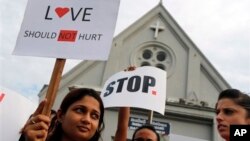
(193, 84)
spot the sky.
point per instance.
(219, 28)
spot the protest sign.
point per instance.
(67, 30)
(75, 29)
(145, 87)
(15, 110)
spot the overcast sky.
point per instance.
(219, 28)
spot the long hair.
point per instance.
(68, 100)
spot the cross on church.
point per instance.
(157, 28)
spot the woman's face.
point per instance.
(229, 113)
(81, 119)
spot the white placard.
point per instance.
(15, 110)
(73, 29)
(144, 87)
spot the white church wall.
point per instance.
(90, 77)
(191, 129)
(208, 90)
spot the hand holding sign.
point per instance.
(142, 88)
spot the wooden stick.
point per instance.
(150, 116)
(53, 85)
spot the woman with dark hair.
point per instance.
(232, 108)
(79, 118)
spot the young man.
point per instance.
(144, 133)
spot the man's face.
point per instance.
(145, 135)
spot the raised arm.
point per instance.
(123, 119)
(122, 125)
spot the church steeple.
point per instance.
(160, 2)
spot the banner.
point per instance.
(73, 29)
(15, 110)
(145, 87)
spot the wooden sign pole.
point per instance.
(53, 85)
(150, 116)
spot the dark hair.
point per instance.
(238, 97)
(53, 120)
(69, 99)
(146, 126)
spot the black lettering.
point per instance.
(120, 84)
(53, 35)
(81, 36)
(72, 13)
(31, 34)
(47, 13)
(85, 13)
(37, 34)
(26, 32)
(109, 89)
(93, 37)
(147, 81)
(87, 37)
(43, 35)
(134, 83)
(99, 36)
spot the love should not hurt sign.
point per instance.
(144, 88)
(73, 29)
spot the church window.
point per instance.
(147, 54)
(160, 66)
(145, 64)
(161, 56)
(154, 54)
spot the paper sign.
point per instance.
(15, 110)
(73, 29)
(144, 87)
